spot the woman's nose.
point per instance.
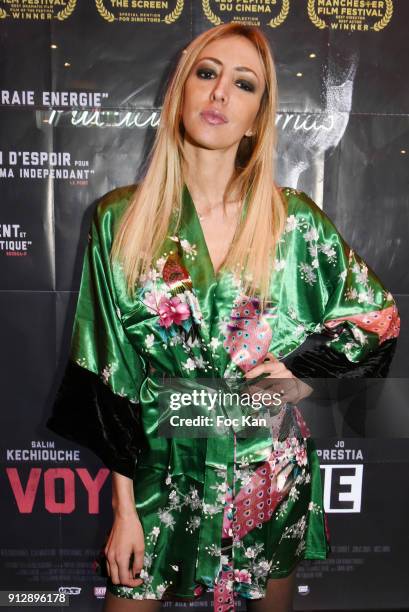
(219, 91)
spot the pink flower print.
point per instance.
(242, 576)
(152, 299)
(172, 310)
(301, 455)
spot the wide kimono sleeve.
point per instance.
(97, 404)
(357, 317)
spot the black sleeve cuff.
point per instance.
(86, 411)
(314, 362)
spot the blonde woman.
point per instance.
(207, 270)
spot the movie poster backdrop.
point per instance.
(81, 84)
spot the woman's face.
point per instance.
(223, 93)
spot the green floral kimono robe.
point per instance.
(223, 514)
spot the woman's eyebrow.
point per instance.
(238, 68)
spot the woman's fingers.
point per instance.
(106, 551)
(279, 379)
(128, 567)
(122, 571)
(137, 565)
(124, 552)
(295, 390)
(275, 369)
(272, 357)
(262, 368)
(112, 567)
(290, 394)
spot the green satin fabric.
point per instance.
(179, 483)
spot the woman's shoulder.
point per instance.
(300, 205)
(115, 201)
(108, 212)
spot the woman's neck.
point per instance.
(207, 173)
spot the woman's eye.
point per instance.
(247, 85)
(204, 71)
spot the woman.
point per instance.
(208, 270)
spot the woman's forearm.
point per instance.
(123, 500)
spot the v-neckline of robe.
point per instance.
(190, 208)
(190, 214)
(196, 258)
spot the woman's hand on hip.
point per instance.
(290, 388)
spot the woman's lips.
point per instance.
(213, 117)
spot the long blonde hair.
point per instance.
(145, 223)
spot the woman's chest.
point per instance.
(218, 231)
